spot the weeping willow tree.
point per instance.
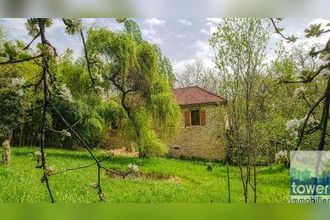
(140, 76)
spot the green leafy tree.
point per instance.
(240, 49)
(52, 95)
(133, 69)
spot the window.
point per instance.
(195, 119)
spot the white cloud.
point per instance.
(180, 65)
(154, 22)
(15, 27)
(203, 52)
(149, 31)
(214, 20)
(185, 22)
(204, 31)
(321, 21)
(151, 35)
(212, 24)
(180, 35)
(57, 23)
(213, 29)
(89, 21)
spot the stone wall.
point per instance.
(201, 141)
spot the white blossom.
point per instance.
(20, 92)
(18, 84)
(311, 120)
(49, 169)
(66, 93)
(99, 78)
(292, 126)
(94, 185)
(283, 154)
(66, 133)
(299, 91)
(101, 91)
(133, 167)
(325, 73)
(37, 154)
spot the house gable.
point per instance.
(195, 95)
(203, 117)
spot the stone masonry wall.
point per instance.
(201, 141)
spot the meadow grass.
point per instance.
(165, 180)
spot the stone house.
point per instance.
(202, 125)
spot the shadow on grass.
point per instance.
(273, 169)
(80, 155)
(65, 154)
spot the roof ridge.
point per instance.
(195, 95)
(211, 93)
(202, 90)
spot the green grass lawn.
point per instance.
(180, 182)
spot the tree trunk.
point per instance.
(255, 182)
(228, 182)
(325, 117)
(6, 149)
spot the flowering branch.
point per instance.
(21, 60)
(311, 78)
(306, 121)
(314, 31)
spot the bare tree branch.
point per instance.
(29, 44)
(41, 24)
(278, 31)
(87, 59)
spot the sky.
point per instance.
(181, 40)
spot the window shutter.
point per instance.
(187, 118)
(203, 117)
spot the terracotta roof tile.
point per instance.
(195, 95)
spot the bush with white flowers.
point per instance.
(282, 157)
(17, 84)
(38, 157)
(66, 93)
(293, 126)
(133, 167)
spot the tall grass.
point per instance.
(163, 180)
